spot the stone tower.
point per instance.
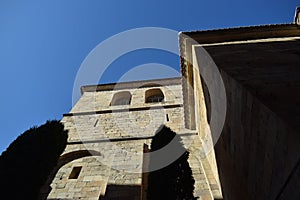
(110, 129)
(257, 151)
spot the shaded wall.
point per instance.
(257, 153)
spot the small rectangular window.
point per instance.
(75, 172)
(96, 123)
(167, 117)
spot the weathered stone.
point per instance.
(115, 138)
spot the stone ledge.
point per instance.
(123, 110)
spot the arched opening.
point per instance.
(154, 96)
(121, 98)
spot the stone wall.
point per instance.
(257, 153)
(115, 137)
(91, 181)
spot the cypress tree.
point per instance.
(27, 162)
(174, 181)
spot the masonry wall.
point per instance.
(202, 122)
(257, 153)
(115, 136)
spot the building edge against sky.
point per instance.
(128, 114)
(257, 152)
(256, 156)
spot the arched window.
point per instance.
(154, 95)
(121, 98)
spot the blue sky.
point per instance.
(43, 43)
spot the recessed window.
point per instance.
(75, 172)
(121, 98)
(154, 95)
(167, 117)
(96, 122)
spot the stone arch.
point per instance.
(68, 157)
(154, 95)
(64, 160)
(121, 98)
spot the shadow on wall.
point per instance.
(124, 192)
(63, 160)
(117, 192)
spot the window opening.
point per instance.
(154, 96)
(167, 117)
(96, 123)
(121, 98)
(75, 172)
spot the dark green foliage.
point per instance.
(175, 181)
(27, 162)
